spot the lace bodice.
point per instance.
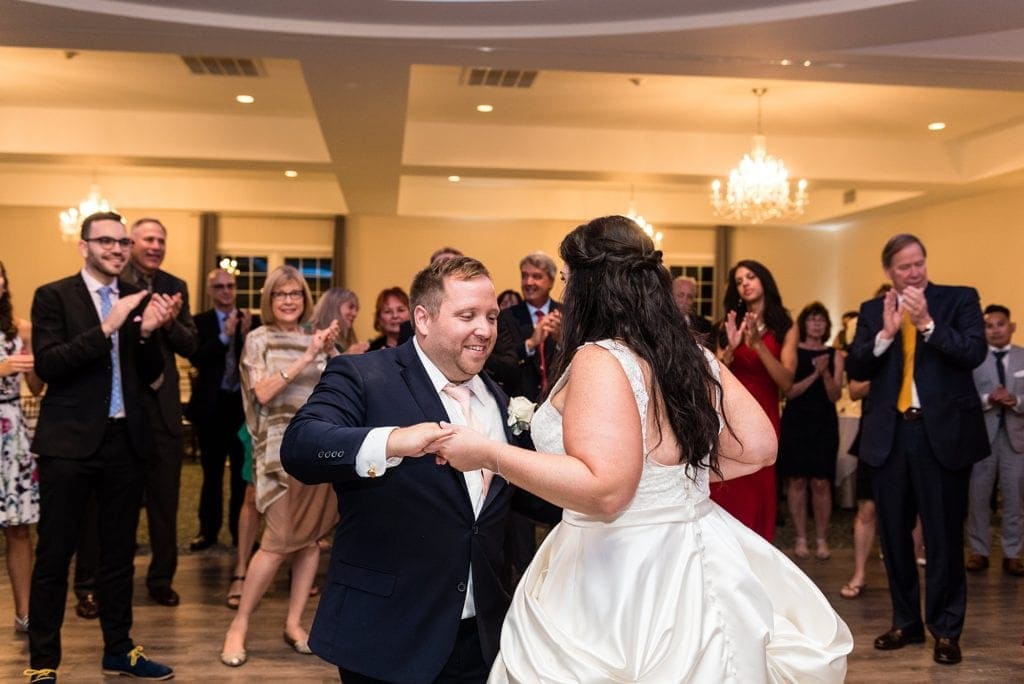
(660, 485)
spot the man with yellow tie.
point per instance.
(922, 428)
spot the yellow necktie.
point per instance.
(909, 333)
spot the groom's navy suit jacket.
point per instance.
(400, 563)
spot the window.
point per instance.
(250, 274)
(318, 272)
(704, 303)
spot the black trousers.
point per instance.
(162, 488)
(114, 476)
(87, 555)
(218, 442)
(465, 664)
(912, 482)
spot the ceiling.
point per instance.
(370, 102)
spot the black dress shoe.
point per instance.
(165, 596)
(947, 651)
(898, 638)
(201, 542)
(87, 607)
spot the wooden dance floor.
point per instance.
(188, 638)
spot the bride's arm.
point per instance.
(601, 431)
(752, 444)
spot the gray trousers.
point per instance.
(1009, 465)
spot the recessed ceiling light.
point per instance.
(454, 179)
(936, 126)
(485, 48)
(291, 173)
(245, 99)
(807, 62)
(485, 108)
(785, 62)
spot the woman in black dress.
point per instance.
(809, 438)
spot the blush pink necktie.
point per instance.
(462, 395)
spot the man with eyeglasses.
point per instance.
(94, 347)
(215, 407)
(162, 401)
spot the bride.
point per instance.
(646, 579)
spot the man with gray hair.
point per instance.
(684, 291)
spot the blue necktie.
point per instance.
(116, 399)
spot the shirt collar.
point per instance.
(1000, 349)
(94, 285)
(544, 308)
(437, 378)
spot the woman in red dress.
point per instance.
(759, 347)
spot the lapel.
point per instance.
(81, 292)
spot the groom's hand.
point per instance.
(414, 440)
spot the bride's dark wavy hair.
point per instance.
(618, 288)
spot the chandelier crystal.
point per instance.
(71, 218)
(758, 188)
(638, 219)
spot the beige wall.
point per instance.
(802, 260)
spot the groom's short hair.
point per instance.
(428, 285)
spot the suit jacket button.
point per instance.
(461, 587)
(476, 529)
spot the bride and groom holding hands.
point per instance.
(645, 579)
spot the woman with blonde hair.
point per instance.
(280, 365)
(342, 305)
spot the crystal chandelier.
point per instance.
(71, 218)
(758, 189)
(639, 220)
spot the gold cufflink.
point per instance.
(372, 471)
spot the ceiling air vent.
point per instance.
(499, 78)
(850, 196)
(202, 65)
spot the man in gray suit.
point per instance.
(1000, 382)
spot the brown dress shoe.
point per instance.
(947, 651)
(976, 562)
(1013, 566)
(87, 607)
(898, 638)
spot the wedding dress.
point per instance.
(673, 589)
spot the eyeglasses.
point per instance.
(109, 242)
(223, 286)
(291, 294)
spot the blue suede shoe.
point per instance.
(46, 676)
(134, 664)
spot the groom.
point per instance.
(413, 592)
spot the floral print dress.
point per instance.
(19, 481)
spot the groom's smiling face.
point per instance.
(462, 334)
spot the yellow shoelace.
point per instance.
(39, 673)
(134, 655)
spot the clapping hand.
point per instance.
(751, 329)
(323, 340)
(17, 363)
(159, 310)
(734, 335)
(119, 311)
(176, 301)
(915, 304)
(1002, 396)
(892, 315)
(820, 364)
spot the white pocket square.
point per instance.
(1019, 374)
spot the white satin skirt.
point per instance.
(680, 594)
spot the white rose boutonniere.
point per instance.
(520, 414)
